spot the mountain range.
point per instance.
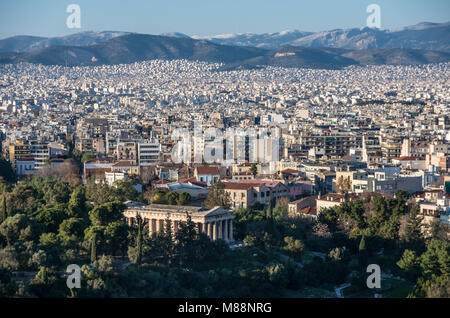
(332, 49)
(424, 36)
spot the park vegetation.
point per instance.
(47, 223)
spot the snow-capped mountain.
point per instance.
(426, 35)
(22, 43)
(265, 40)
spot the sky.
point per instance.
(211, 17)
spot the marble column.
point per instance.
(210, 230)
(230, 234)
(150, 226)
(175, 226)
(214, 226)
(157, 226)
(225, 233)
(220, 234)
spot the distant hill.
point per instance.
(20, 44)
(425, 36)
(131, 48)
(265, 40)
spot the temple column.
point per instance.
(157, 226)
(225, 232)
(210, 230)
(206, 227)
(230, 234)
(149, 225)
(175, 226)
(220, 234)
(214, 225)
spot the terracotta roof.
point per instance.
(289, 171)
(245, 164)
(309, 210)
(405, 158)
(123, 163)
(258, 183)
(207, 170)
(160, 182)
(99, 160)
(237, 186)
(244, 173)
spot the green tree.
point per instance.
(339, 254)
(51, 217)
(7, 171)
(254, 169)
(20, 228)
(47, 283)
(185, 238)
(218, 196)
(109, 226)
(413, 231)
(294, 247)
(88, 155)
(183, 198)
(94, 248)
(270, 208)
(98, 193)
(362, 254)
(171, 198)
(3, 208)
(409, 263)
(436, 259)
(159, 197)
(71, 232)
(77, 203)
(136, 253)
(106, 213)
(124, 190)
(8, 286)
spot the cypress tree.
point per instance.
(139, 241)
(3, 212)
(362, 256)
(94, 248)
(270, 210)
(413, 233)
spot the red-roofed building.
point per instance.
(207, 174)
(245, 193)
(97, 168)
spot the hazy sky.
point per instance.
(209, 17)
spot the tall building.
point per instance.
(148, 152)
(40, 152)
(20, 149)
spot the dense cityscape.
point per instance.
(269, 182)
(221, 157)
